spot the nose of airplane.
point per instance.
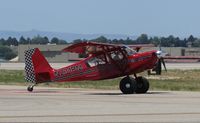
(160, 53)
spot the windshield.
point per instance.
(129, 50)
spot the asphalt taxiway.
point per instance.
(88, 105)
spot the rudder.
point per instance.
(37, 68)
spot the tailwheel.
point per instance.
(127, 85)
(30, 88)
(142, 85)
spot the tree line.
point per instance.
(35, 40)
(7, 53)
(170, 41)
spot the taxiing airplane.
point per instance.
(104, 61)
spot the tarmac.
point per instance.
(88, 105)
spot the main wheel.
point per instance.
(142, 85)
(30, 88)
(127, 85)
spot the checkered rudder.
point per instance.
(29, 69)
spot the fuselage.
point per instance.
(106, 66)
(105, 61)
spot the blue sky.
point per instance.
(132, 17)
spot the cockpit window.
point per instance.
(98, 60)
(116, 55)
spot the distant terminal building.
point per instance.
(179, 51)
(172, 51)
(192, 52)
(53, 53)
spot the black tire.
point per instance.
(127, 85)
(142, 85)
(30, 88)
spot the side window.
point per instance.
(98, 60)
(92, 62)
(116, 55)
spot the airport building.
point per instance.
(53, 53)
(177, 51)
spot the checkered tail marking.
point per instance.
(29, 69)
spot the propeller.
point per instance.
(163, 62)
(160, 54)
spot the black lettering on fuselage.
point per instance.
(67, 70)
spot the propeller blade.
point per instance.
(163, 62)
(160, 46)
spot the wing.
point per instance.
(91, 47)
(137, 47)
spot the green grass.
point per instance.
(177, 80)
(12, 77)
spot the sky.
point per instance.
(131, 17)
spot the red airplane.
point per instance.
(104, 61)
